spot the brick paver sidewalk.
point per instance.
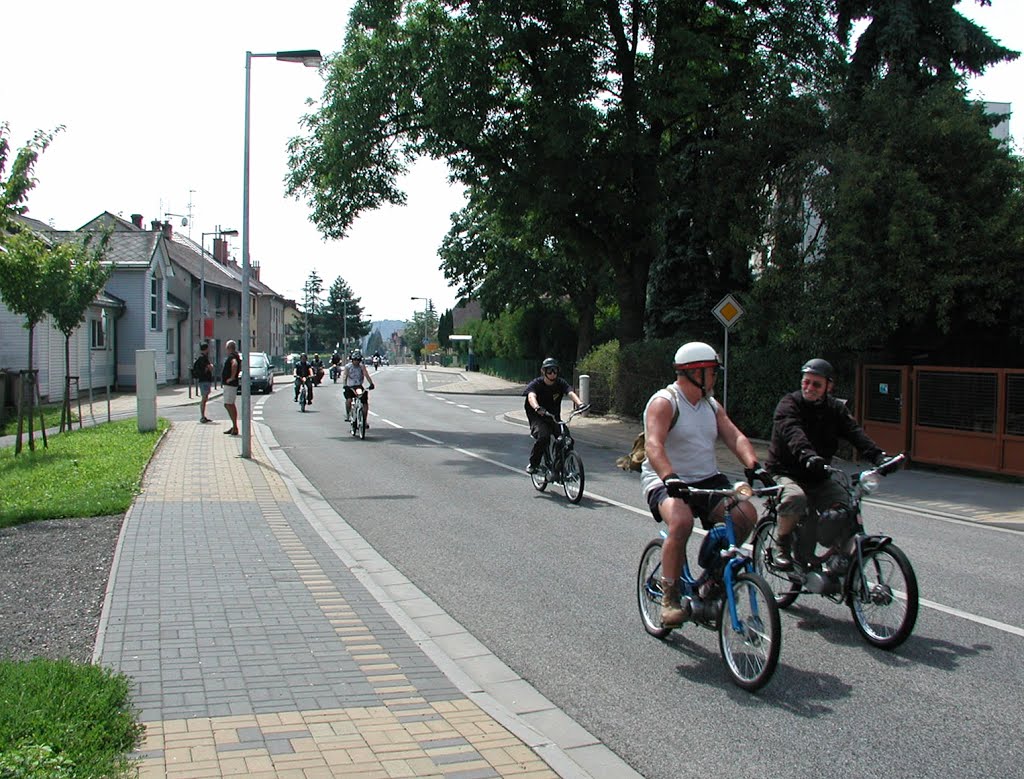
(256, 651)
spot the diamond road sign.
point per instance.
(727, 311)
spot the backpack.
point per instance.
(197, 369)
(635, 459)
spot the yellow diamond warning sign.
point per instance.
(727, 311)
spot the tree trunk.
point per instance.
(65, 411)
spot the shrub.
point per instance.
(602, 365)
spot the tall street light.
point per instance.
(311, 59)
(426, 324)
(203, 311)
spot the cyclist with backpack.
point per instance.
(202, 372)
(682, 422)
(544, 405)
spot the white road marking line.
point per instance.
(477, 411)
(992, 623)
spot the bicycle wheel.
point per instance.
(784, 588)
(648, 589)
(540, 476)
(361, 421)
(883, 597)
(752, 652)
(302, 400)
(572, 477)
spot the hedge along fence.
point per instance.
(623, 380)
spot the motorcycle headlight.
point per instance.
(869, 482)
(742, 490)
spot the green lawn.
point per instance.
(60, 720)
(85, 473)
(51, 415)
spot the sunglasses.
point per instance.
(551, 370)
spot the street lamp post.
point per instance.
(311, 59)
(203, 311)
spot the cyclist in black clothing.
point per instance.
(304, 371)
(543, 406)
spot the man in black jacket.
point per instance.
(807, 427)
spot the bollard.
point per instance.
(585, 388)
(145, 389)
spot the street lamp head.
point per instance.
(311, 58)
(229, 232)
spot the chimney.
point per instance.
(255, 267)
(154, 225)
(137, 220)
(220, 250)
(168, 230)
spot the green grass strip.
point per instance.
(62, 719)
(85, 473)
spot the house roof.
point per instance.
(106, 300)
(176, 304)
(127, 250)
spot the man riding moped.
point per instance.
(807, 426)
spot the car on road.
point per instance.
(261, 373)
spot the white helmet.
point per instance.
(695, 354)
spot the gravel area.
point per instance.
(53, 576)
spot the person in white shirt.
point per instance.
(353, 375)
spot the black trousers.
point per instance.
(541, 428)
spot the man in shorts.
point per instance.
(229, 378)
(681, 424)
(203, 371)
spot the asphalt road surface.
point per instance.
(438, 488)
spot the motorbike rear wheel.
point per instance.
(751, 653)
(882, 596)
(302, 399)
(785, 589)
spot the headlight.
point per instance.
(742, 490)
(869, 482)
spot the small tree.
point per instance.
(15, 188)
(24, 291)
(75, 274)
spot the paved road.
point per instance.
(438, 490)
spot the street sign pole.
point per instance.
(728, 311)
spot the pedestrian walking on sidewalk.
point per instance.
(229, 378)
(202, 372)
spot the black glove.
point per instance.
(760, 474)
(879, 458)
(676, 487)
(372, 385)
(543, 412)
(816, 465)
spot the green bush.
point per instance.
(644, 368)
(602, 365)
(65, 719)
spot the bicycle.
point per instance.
(358, 412)
(868, 572)
(561, 463)
(303, 392)
(728, 597)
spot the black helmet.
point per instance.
(550, 362)
(818, 367)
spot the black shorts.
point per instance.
(701, 505)
(350, 392)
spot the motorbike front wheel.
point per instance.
(648, 589)
(751, 653)
(572, 477)
(785, 589)
(882, 596)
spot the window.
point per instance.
(170, 341)
(98, 333)
(154, 303)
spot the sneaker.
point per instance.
(532, 469)
(295, 400)
(348, 418)
(674, 612)
(203, 420)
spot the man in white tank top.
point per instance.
(680, 452)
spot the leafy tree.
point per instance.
(74, 274)
(19, 182)
(419, 331)
(23, 264)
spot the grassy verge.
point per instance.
(61, 719)
(51, 415)
(85, 473)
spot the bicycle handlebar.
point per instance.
(739, 490)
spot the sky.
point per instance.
(152, 97)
